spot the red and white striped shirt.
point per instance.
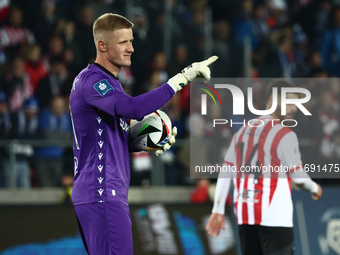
(262, 198)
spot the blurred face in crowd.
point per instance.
(248, 6)
(16, 17)
(87, 16)
(3, 107)
(68, 56)
(316, 59)
(117, 47)
(69, 29)
(154, 80)
(138, 21)
(337, 17)
(34, 54)
(48, 7)
(198, 18)
(159, 61)
(18, 67)
(222, 30)
(56, 46)
(58, 106)
(181, 53)
(260, 13)
(31, 113)
(58, 68)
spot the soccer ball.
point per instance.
(152, 132)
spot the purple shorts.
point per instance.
(105, 228)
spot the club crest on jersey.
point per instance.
(103, 87)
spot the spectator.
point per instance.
(14, 32)
(57, 83)
(243, 27)
(55, 124)
(55, 48)
(71, 46)
(36, 68)
(194, 36)
(159, 63)
(66, 196)
(126, 78)
(154, 81)
(281, 62)
(45, 22)
(259, 23)
(322, 18)
(18, 85)
(330, 46)
(222, 47)
(84, 34)
(141, 168)
(25, 125)
(173, 170)
(142, 44)
(100, 7)
(315, 60)
(330, 145)
(200, 195)
(300, 51)
(4, 9)
(5, 129)
(180, 59)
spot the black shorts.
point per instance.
(261, 240)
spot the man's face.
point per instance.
(290, 108)
(119, 48)
(3, 107)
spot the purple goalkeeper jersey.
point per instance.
(101, 114)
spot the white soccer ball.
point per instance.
(152, 132)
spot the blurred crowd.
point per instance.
(45, 43)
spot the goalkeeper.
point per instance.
(100, 113)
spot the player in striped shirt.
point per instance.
(262, 199)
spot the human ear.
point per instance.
(101, 46)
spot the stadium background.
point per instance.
(44, 44)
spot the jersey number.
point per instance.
(248, 160)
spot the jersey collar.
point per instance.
(103, 69)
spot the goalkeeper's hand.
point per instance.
(195, 70)
(170, 142)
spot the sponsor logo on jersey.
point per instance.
(100, 191)
(100, 168)
(103, 87)
(124, 125)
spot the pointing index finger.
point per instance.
(210, 60)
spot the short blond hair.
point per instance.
(109, 22)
